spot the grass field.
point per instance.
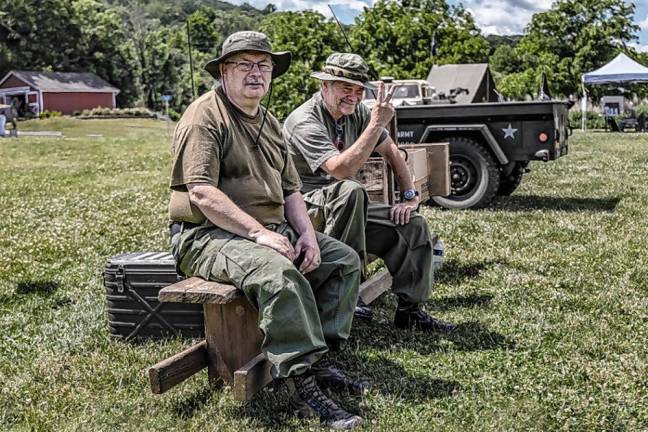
(549, 285)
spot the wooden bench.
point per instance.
(231, 349)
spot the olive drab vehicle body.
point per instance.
(491, 143)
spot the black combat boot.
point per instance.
(309, 401)
(412, 316)
(328, 376)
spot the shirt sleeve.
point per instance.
(197, 152)
(290, 181)
(313, 142)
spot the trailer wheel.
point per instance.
(474, 176)
(508, 183)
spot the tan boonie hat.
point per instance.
(250, 41)
(345, 67)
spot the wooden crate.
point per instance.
(438, 166)
(374, 176)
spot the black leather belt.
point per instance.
(178, 227)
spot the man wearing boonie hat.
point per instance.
(330, 137)
(238, 217)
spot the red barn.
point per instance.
(56, 91)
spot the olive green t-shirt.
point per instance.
(310, 134)
(214, 142)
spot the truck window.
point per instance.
(405, 91)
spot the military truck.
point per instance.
(408, 93)
(491, 144)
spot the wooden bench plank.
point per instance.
(197, 290)
(251, 378)
(172, 371)
(373, 287)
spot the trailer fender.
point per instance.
(480, 128)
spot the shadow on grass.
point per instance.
(271, 408)
(391, 379)
(453, 272)
(268, 409)
(187, 407)
(465, 301)
(44, 288)
(469, 336)
(567, 204)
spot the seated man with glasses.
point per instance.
(330, 137)
(239, 218)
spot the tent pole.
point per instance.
(583, 106)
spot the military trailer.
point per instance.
(491, 144)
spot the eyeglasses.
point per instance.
(246, 66)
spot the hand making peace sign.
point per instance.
(383, 111)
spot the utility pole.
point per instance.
(193, 86)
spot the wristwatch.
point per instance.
(409, 194)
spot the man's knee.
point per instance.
(349, 259)
(416, 233)
(353, 191)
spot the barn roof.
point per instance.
(63, 82)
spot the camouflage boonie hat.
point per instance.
(345, 67)
(250, 41)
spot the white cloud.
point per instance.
(639, 47)
(644, 24)
(320, 6)
(504, 16)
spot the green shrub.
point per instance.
(594, 120)
(642, 109)
(49, 114)
(117, 112)
(174, 115)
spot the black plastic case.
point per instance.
(132, 282)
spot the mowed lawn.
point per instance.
(550, 286)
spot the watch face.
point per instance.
(409, 194)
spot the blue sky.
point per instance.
(492, 16)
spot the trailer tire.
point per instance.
(474, 176)
(509, 183)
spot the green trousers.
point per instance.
(299, 315)
(341, 210)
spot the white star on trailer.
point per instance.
(509, 132)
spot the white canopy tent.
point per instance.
(621, 69)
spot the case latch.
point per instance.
(119, 279)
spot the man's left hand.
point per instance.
(400, 213)
(307, 245)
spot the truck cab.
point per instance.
(408, 93)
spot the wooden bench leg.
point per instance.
(233, 337)
(251, 378)
(172, 371)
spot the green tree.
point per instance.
(310, 38)
(395, 37)
(102, 48)
(39, 34)
(573, 37)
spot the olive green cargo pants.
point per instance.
(341, 210)
(298, 314)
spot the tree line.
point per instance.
(141, 46)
